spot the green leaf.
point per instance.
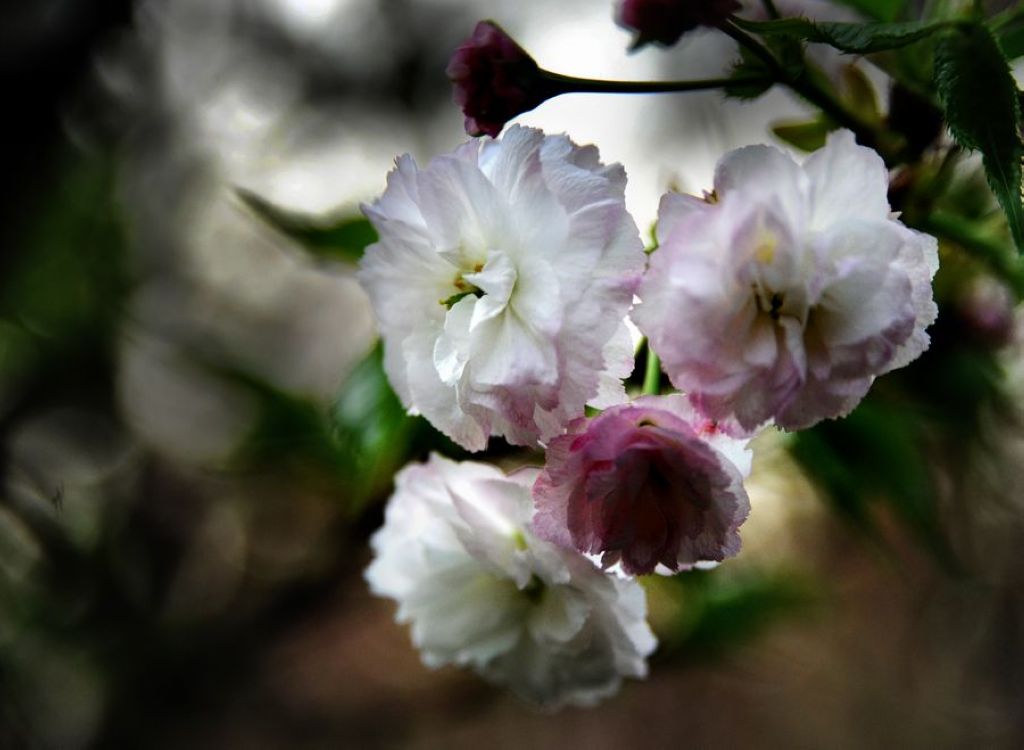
(369, 419)
(291, 433)
(751, 77)
(330, 238)
(1009, 30)
(878, 10)
(878, 454)
(858, 93)
(980, 99)
(1011, 40)
(807, 136)
(859, 38)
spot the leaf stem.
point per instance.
(652, 373)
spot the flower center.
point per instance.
(768, 302)
(463, 288)
(764, 250)
(534, 589)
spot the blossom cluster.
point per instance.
(503, 282)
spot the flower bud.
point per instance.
(494, 80)
(985, 311)
(664, 21)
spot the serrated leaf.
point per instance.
(807, 136)
(878, 10)
(859, 38)
(750, 75)
(980, 99)
(330, 238)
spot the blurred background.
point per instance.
(196, 438)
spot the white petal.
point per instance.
(847, 182)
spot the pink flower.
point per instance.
(494, 80)
(501, 285)
(664, 21)
(786, 296)
(645, 484)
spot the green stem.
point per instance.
(652, 373)
(571, 85)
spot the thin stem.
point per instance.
(754, 46)
(652, 373)
(570, 85)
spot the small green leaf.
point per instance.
(859, 38)
(807, 136)
(451, 301)
(858, 93)
(751, 77)
(980, 98)
(330, 238)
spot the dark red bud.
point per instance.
(664, 21)
(494, 80)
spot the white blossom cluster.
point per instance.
(502, 282)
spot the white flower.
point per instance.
(480, 590)
(501, 280)
(784, 297)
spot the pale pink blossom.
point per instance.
(481, 591)
(645, 484)
(501, 282)
(786, 293)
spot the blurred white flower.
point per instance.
(501, 281)
(784, 295)
(457, 554)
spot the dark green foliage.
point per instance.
(877, 10)
(858, 38)
(878, 454)
(979, 96)
(62, 293)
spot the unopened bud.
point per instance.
(664, 21)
